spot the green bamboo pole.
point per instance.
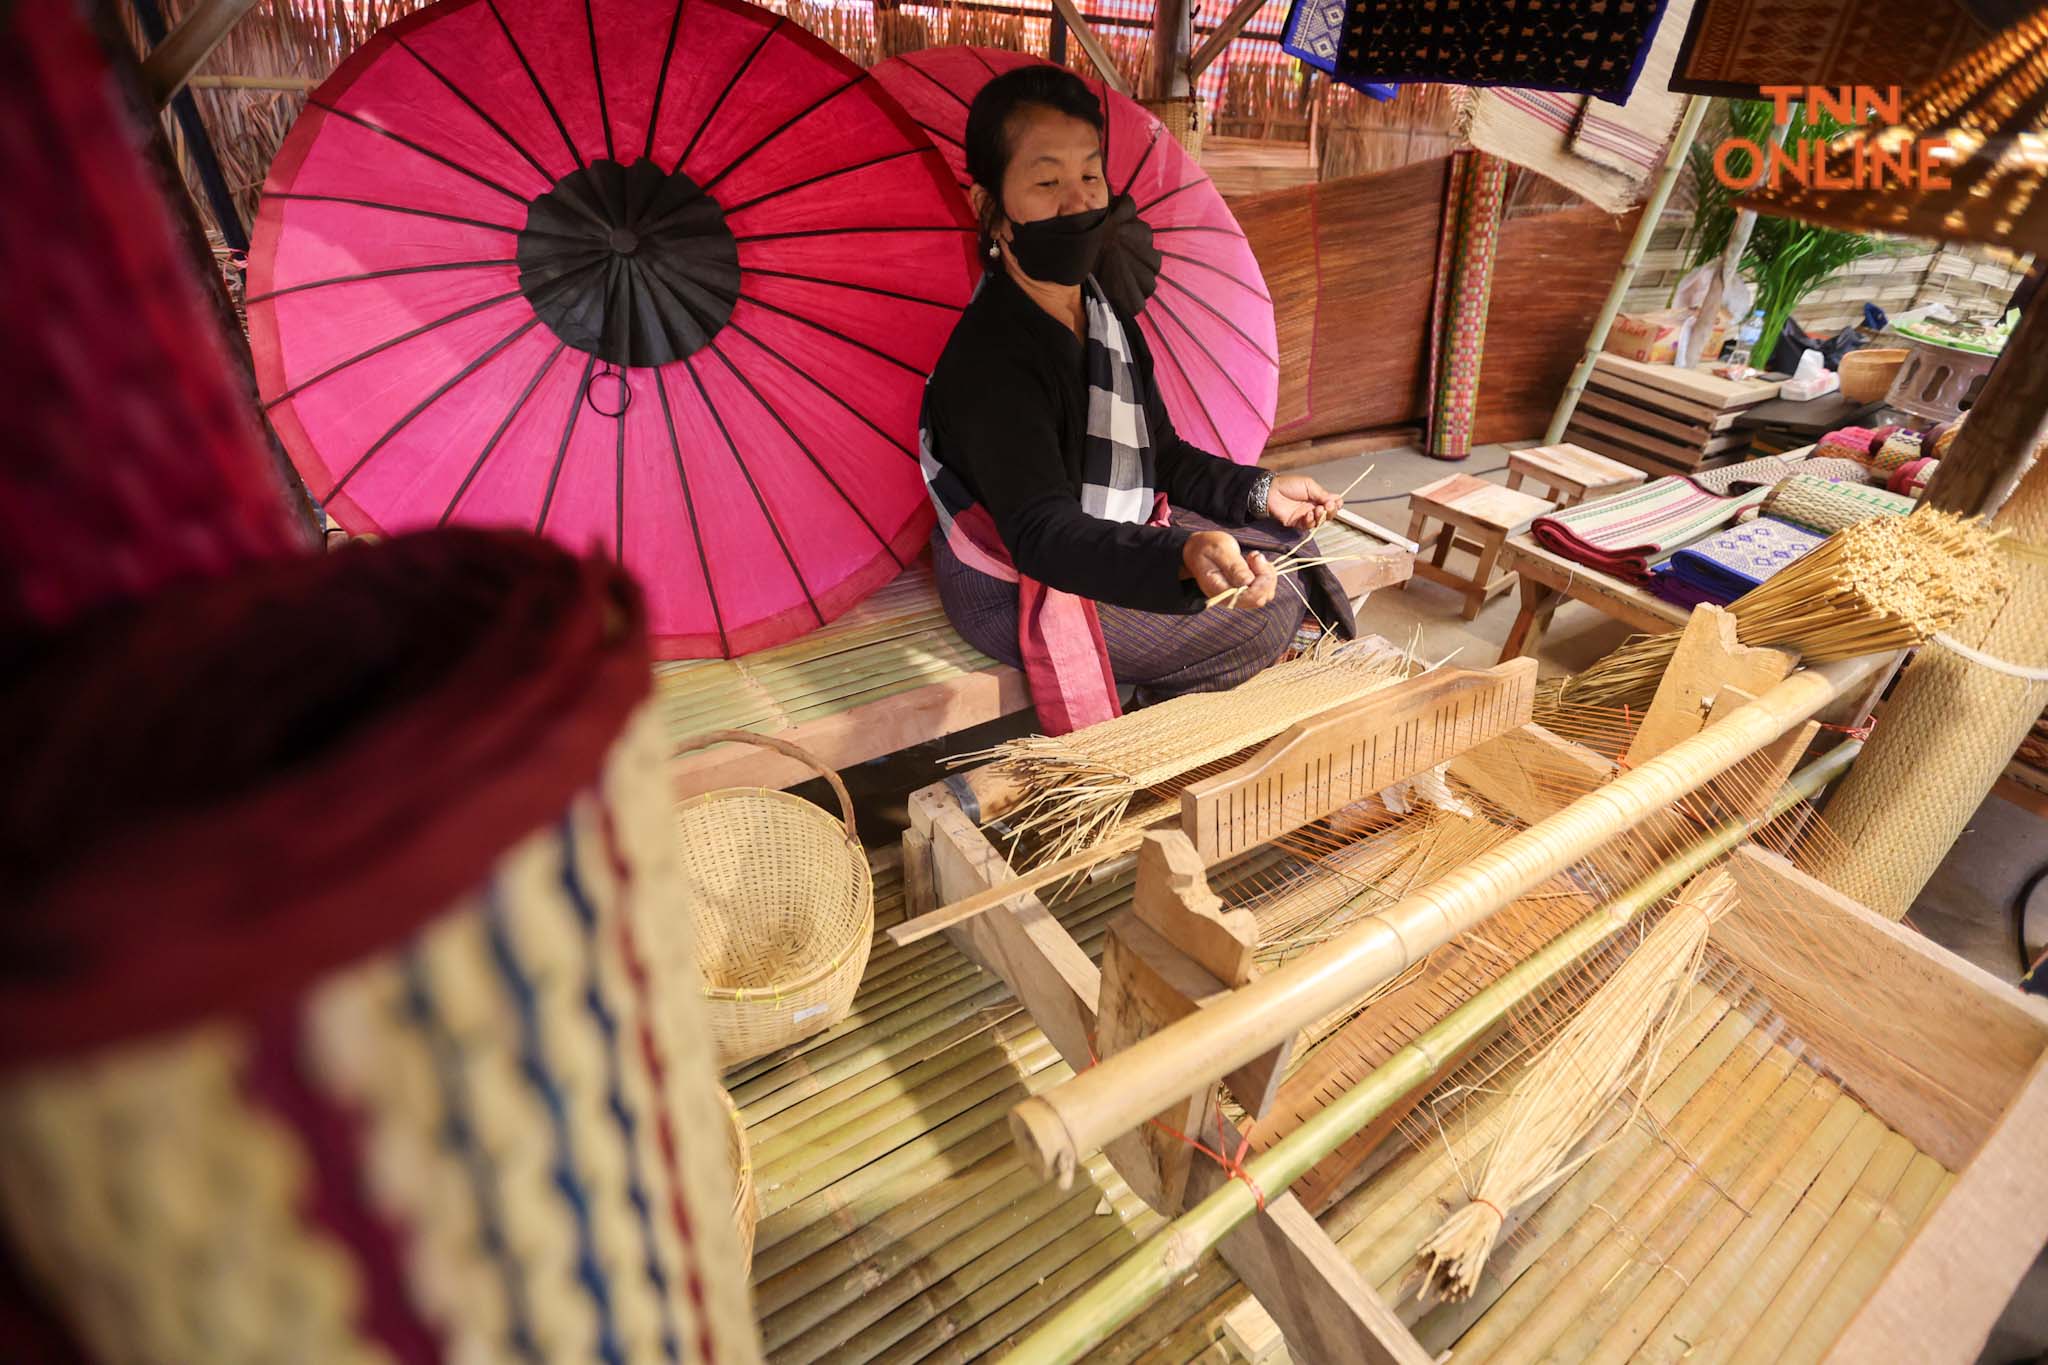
(1092, 1316)
(1653, 209)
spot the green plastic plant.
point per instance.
(1786, 259)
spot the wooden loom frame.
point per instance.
(1966, 1078)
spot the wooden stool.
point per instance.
(1485, 512)
(1570, 473)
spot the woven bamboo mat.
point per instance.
(897, 1222)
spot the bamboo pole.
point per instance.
(1124, 1090)
(1646, 226)
(171, 62)
(296, 83)
(1090, 1317)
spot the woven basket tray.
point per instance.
(782, 903)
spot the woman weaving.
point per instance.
(1052, 461)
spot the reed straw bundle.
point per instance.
(1883, 584)
(1077, 787)
(1604, 1052)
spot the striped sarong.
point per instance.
(1627, 533)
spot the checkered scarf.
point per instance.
(1116, 461)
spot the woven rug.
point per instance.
(1464, 289)
(1310, 36)
(1827, 507)
(1734, 47)
(1770, 470)
(1529, 44)
(1630, 138)
(1730, 563)
(1625, 534)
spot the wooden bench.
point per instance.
(1485, 513)
(1547, 579)
(890, 673)
(1569, 474)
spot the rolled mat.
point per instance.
(1726, 565)
(1899, 448)
(1826, 506)
(1910, 478)
(1628, 532)
(1769, 470)
(345, 1014)
(1457, 332)
(1856, 443)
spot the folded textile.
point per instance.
(1310, 36)
(1678, 592)
(1828, 506)
(1625, 534)
(1767, 470)
(1732, 562)
(1570, 45)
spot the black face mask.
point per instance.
(1061, 250)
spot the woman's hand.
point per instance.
(1214, 561)
(1299, 502)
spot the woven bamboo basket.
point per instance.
(1182, 115)
(746, 1203)
(1867, 374)
(783, 906)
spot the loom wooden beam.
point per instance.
(1098, 55)
(1531, 773)
(1324, 1308)
(1233, 24)
(1107, 1100)
(171, 62)
(1709, 657)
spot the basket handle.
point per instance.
(780, 746)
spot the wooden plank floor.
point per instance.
(897, 1222)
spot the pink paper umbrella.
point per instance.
(1182, 266)
(659, 278)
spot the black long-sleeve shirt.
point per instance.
(1007, 409)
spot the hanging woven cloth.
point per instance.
(1590, 47)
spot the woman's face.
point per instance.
(1055, 167)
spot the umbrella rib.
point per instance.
(808, 181)
(690, 509)
(1181, 370)
(861, 288)
(380, 275)
(812, 380)
(604, 117)
(1217, 269)
(538, 89)
(436, 396)
(392, 208)
(947, 90)
(784, 127)
(478, 110)
(619, 492)
(1203, 347)
(408, 143)
(547, 501)
(719, 103)
(1182, 187)
(1143, 157)
(733, 448)
(381, 346)
(823, 473)
(975, 52)
(1221, 317)
(846, 231)
(1197, 227)
(518, 404)
(879, 354)
(675, 28)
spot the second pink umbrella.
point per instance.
(1203, 307)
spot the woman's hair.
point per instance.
(989, 142)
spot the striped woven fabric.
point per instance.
(1827, 507)
(1770, 470)
(1727, 565)
(1625, 534)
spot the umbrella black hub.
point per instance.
(1128, 271)
(632, 264)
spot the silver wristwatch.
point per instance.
(1262, 492)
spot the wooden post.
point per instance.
(1653, 208)
(1172, 37)
(1212, 47)
(1992, 449)
(1098, 55)
(172, 61)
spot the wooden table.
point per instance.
(1547, 579)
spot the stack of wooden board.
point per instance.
(1661, 419)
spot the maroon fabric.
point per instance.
(131, 459)
(221, 795)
